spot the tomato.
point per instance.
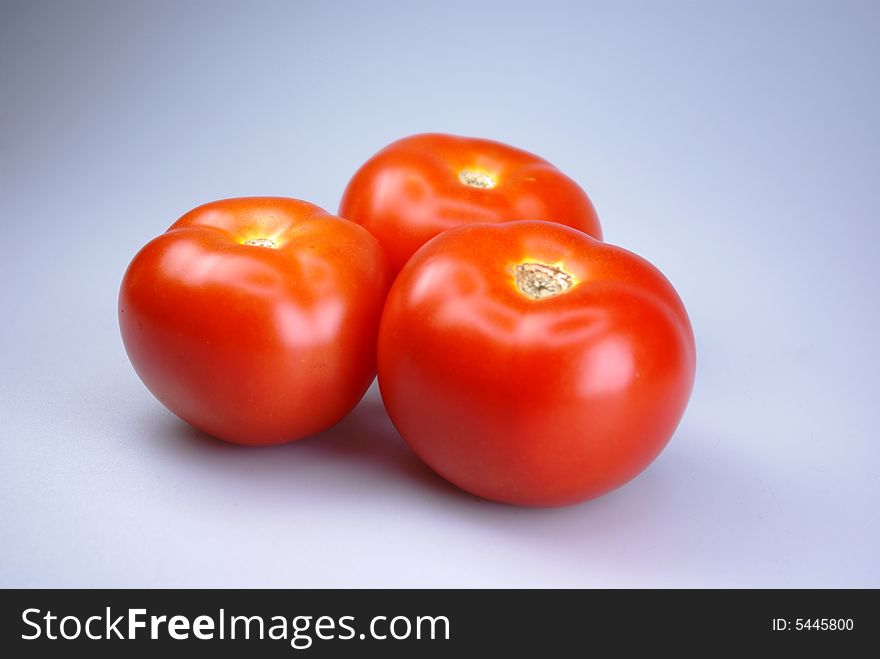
(529, 363)
(255, 319)
(422, 185)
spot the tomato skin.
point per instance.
(527, 401)
(256, 344)
(412, 190)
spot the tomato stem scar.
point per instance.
(476, 179)
(539, 281)
(260, 242)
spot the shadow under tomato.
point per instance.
(360, 452)
(686, 520)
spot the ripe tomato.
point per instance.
(528, 363)
(422, 185)
(255, 319)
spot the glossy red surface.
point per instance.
(534, 401)
(422, 185)
(255, 319)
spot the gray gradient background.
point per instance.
(735, 145)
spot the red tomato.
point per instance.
(255, 319)
(531, 364)
(422, 185)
